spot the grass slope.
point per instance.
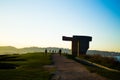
(105, 61)
(108, 74)
(30, 67)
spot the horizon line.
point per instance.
(57, 47)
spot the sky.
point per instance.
(42, 23)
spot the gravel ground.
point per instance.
(68, 69)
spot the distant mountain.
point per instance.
(31, 49)
(8, 50)
(13, 50)
(103, 53)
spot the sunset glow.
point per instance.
(42, 23)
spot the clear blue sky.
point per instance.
(42, 23)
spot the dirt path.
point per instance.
(70, 70)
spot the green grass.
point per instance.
(30, 67)
(105, 73)
(105, 61)
(108, 74)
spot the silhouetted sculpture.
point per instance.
(80, 44)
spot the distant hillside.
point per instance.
(103, 53)
(31, 49)
(13, 50)
(8, 50)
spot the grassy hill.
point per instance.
(29, 67)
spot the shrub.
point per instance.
(105, 61)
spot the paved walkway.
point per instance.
(70, 70)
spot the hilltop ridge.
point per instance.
(14, 50)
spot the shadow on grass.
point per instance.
(8, 66)
(11, 58)
(5, 59)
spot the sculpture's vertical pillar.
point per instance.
(78, 46)
(83, 47)
(74, 48)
